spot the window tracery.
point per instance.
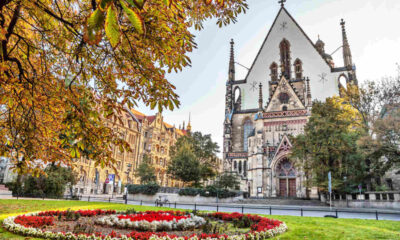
(274, 71)
(285, 169)
(285, 58)
(298, 68)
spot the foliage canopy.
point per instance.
(53, 51)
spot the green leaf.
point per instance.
(103, 4)
(139, 3)
(95, 19)
(134, 18)
(112, 28)
(153, 104)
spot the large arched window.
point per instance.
(298, 69)
(247, 128)
(286, 169)
(240, 166)
(274, 71)
(237, 98)
(343, 81)
(285, 58)
(245, 168)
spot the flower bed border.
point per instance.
(257, 233)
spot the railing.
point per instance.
(276, 210)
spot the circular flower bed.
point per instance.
(149, 225)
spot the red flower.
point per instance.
(34, 221)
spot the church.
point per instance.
(274, 102)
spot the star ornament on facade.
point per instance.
(322, 77)
(253, 86)
(283, 26)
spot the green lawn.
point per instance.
(299, 227)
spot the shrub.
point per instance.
(189, 191)
(49, 185)
(148, 189)
(213, 191)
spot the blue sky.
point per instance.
(372, 29)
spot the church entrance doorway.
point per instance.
(287, 187)
(287, 178)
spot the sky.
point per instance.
(372, 30)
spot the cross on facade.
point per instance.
(282, 2)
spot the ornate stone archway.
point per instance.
(285, 174)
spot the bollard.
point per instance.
(301, 212)
(217, 207)
(376, 214)
(175, 204)
(88, 199)
(109, 199)
(194, 206)
(126, 200)
(141, 202)
(270, 210)
(336, 213)
(242, 209)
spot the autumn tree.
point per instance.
(378, 102)
(329, 145)
(65, 66)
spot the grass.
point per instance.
(299, 227)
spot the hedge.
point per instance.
(189, 191)
(209, 191)
(147, 189)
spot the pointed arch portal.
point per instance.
(286, 174)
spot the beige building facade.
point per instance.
(146, 135)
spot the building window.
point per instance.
(237, 99)
(274, 71)
(285, 58)
(240, 167)
(247, 128)
(234, 165)
(298, 68)
(286, 169)
(245, 168)
(284, 108)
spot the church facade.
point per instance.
(274, 102)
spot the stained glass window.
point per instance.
(247, 128)
(285, 169)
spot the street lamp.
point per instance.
(345, 192)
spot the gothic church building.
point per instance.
(274, 102)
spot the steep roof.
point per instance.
(140, 116)
(283, 11)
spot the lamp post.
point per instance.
(345, 187)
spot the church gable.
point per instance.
(285, 45)
(283, 148)
(284, 98)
